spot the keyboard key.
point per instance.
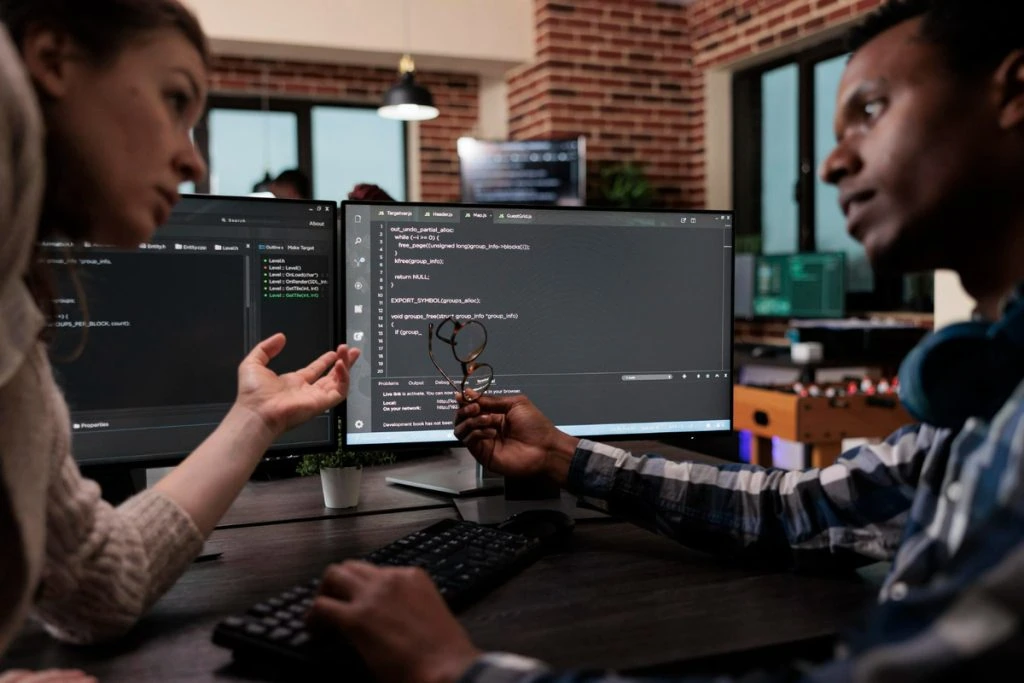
(254, 629)
(300, 640)
(280, 634)
(234, 622)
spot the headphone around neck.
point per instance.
(965, 370)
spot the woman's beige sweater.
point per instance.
(86, 569)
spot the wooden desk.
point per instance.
(616, 596)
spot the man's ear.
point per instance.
(46, 53)
(1010, 80)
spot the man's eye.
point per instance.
(873, 109)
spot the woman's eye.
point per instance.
(179, 102)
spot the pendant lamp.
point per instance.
(407, 100)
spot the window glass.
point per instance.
(352, 146)
(245, 145)
(780, 159)
(829, 224)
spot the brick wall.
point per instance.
(725, 31)
(616, 72)
(456, 95)
(629, 75)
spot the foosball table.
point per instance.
(818, 416)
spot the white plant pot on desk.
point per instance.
(341, 486)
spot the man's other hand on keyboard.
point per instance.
(396, 619)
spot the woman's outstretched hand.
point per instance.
(284, 401)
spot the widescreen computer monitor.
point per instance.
(535, 172)
(165, 326)
(810, 285)
(615, 323)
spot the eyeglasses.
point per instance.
(467, 340)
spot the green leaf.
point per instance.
(312, 463)
(625, 185)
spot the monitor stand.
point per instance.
(523, 494)
(470, 483)
(462, 476)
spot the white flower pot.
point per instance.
(341, 486)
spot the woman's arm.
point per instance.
(207, 482)
(105, 566)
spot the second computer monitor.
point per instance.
(811, 285)
(147, 341)
(615, 323)
(537, 172)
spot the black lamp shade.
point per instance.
(406, 100)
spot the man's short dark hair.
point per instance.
(975, 35)
(297, 179)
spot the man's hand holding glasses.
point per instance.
(467, 340)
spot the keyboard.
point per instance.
(465, 560)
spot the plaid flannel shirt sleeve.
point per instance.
(845, 515)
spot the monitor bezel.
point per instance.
(581, 156)
(433, 446)
(334, 438)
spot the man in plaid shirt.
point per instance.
(930, 166)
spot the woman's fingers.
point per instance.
(266, 350)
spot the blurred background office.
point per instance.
(683, 104)
(708, 100)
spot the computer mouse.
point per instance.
(551, 527)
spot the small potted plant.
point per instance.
(624, 185)
(341, 473)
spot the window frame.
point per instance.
(303, 110)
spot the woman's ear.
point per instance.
(1010, 78)
(47, 54)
